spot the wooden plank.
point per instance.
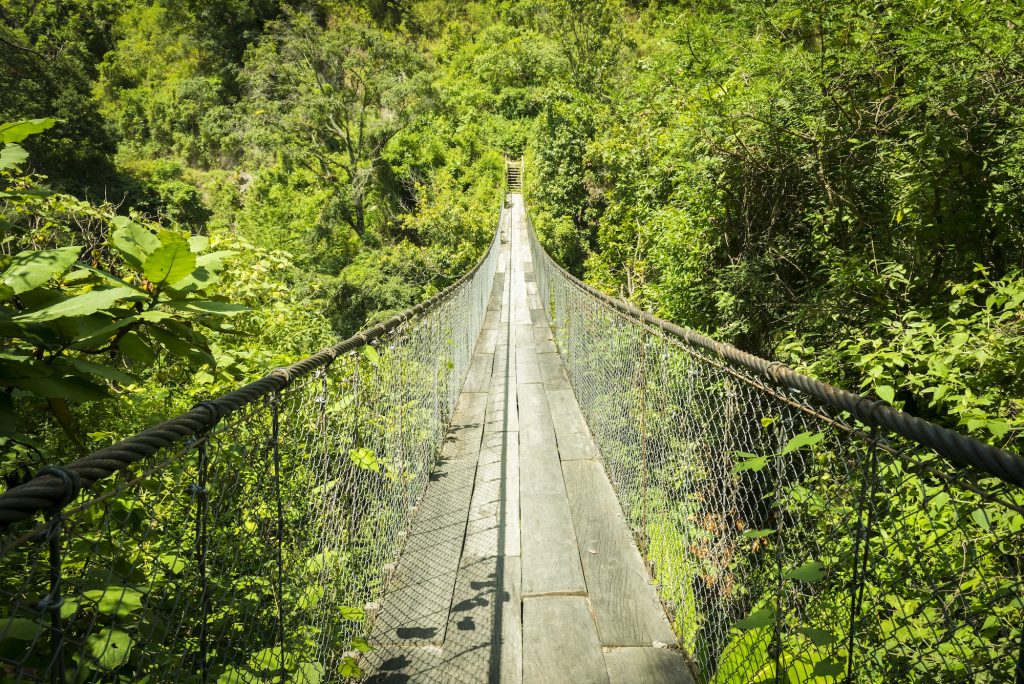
(396, 663)
(488, 340)
(649, 665)
(523, 336)
(544, 339)
(416, 603)
(551, 557)
(494, 514)
(571, 431)
(485, 637)
(478, 379)
(527, 366)
(611, 563)
(551, 372)
(535, 426)
(560, 643)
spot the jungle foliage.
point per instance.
(195, 192)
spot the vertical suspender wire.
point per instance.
(54, 527)
(644, 448)
(201, 547)
(275, 411)
(860, 561)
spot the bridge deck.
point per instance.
(518, 566)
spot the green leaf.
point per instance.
(135, 242)
(370, 354)
(308, 673)
(110, 647)
(84, 304)
(819, 637)
(811, 571)
(888, 394)
(136, 349)
(830, 667)
(173, 563)
(350, 668)
(172, 261)
(28, 270)
(19, 130)
(804, 439)
(199, 243)
(361, 645)
(350, 613)
(761, 617)
(69, 387)
(757, 534)
(751, 462)
(119, 601)
(12, 155)
(102, 371)
(20, 629)
(364, 458)
(980, 517)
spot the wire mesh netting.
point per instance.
(258, 550)
(789, 541)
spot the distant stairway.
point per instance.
(514, 175)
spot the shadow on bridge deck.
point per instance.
(519, 566)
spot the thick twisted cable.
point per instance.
(958, 448)
(47, 491)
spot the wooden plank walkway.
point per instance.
(519, 566)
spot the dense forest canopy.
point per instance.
(196, 192)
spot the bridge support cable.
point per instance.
(795, 531)
(249, 539)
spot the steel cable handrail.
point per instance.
(957, 447)
(55, 487)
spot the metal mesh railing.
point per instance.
(250, 539)
(796, 532)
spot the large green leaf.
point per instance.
(135, 242)
(12, 155)
(119, 601)
(30, 269)
(811, 571)
(172, 261)
(136, 349)
(84, 304)
(68, 387)
(102, 371)
(110, 647)
(761, 617)
(19, 130)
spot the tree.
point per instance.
(335, 96)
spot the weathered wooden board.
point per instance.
(479, 377)
(560, 643)
(535, 426)
(527, 366)
(648, 665)
(485, 636)
(494, 514)
(552, 372)
(574, 439)
(419, 595)
(488, 340)
(611, 563)
(543, 338)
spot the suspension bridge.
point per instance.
(522, 479)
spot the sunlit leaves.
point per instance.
(364, 458)
(171, 261)
(30, 269)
